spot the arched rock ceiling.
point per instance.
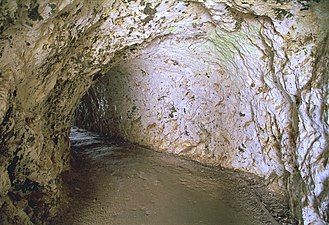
(52, 51)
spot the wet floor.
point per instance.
(119, 183)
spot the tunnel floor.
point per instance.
(115, 182)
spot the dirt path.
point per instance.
(122, 184)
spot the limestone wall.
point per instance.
(254, 86)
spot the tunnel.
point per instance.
(234, 85)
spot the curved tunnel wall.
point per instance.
(179, 95)
(274, 53)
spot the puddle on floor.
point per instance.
(114, 182)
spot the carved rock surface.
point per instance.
(239, 84)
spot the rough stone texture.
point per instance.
(272, 62)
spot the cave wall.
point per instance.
(272, 62)
(178, 95)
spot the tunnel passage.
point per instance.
(116, 182)
(200, 98)
(270, 61)
(181, 96)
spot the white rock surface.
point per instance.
(263, 109)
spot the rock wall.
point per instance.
(179, 95)
(258, 71)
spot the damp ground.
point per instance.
(113, 182)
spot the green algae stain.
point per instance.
(171, 29)
(223, 46)
(229, 45)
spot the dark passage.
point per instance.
(114, 182)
